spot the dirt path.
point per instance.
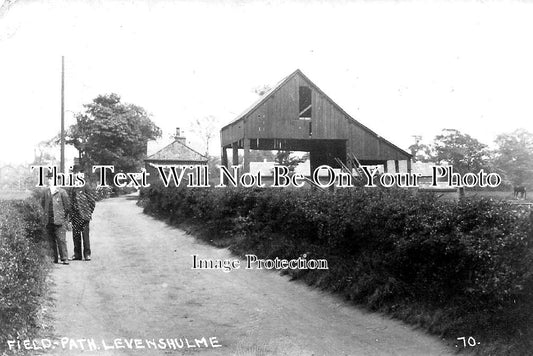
(140, 285)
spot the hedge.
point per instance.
(457, 268)
(23, 268)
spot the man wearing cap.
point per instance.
(83, 203)
(56, 206)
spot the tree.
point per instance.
(7, 30)
(112, 132)
(463, 152)
(6, 5)
(285, 158)
(43, 152)
(420, 151)
(205, 129)
(262, 155)
(514, 156)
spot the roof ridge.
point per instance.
(161, 149)
(287, 78)
(192, 149)
(169, 146)
(263, 98)
(350, 117)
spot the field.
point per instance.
(493, 194)
(13, 194)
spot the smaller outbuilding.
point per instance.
(176, 153)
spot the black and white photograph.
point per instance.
(266, 177)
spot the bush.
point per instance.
(386, 248)
(23, 268)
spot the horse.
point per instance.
(520, 191)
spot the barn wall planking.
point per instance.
(277, 118)
(269, 123)
(317, 111)
(285, 108)
(230, 133)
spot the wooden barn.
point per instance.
(297, 116)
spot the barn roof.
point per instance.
(177, 151)
(263, 98)
(276, 88)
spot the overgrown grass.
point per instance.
(14, 194)
(457, 269)
(23, 269)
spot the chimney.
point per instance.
(178, 136)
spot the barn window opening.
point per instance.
(305, 103)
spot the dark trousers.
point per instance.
(80, 231)
(57, 238)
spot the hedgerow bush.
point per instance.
(469, 262)
(23, 268)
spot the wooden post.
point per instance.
(408, 165)
(396, 166)
(235, 153)
(461, 192)
(313, 162)
(62, 153)
(224, 161)
(246, 161)
(224, 157)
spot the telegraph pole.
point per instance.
(62, 162)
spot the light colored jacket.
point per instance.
(60, 203)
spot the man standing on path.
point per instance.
(56, 206)
(83, 203)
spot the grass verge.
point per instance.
(455, 269)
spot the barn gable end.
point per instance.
(297, 115)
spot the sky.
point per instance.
(402, 68)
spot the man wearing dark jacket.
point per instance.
(83, 203)
(56, 206)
